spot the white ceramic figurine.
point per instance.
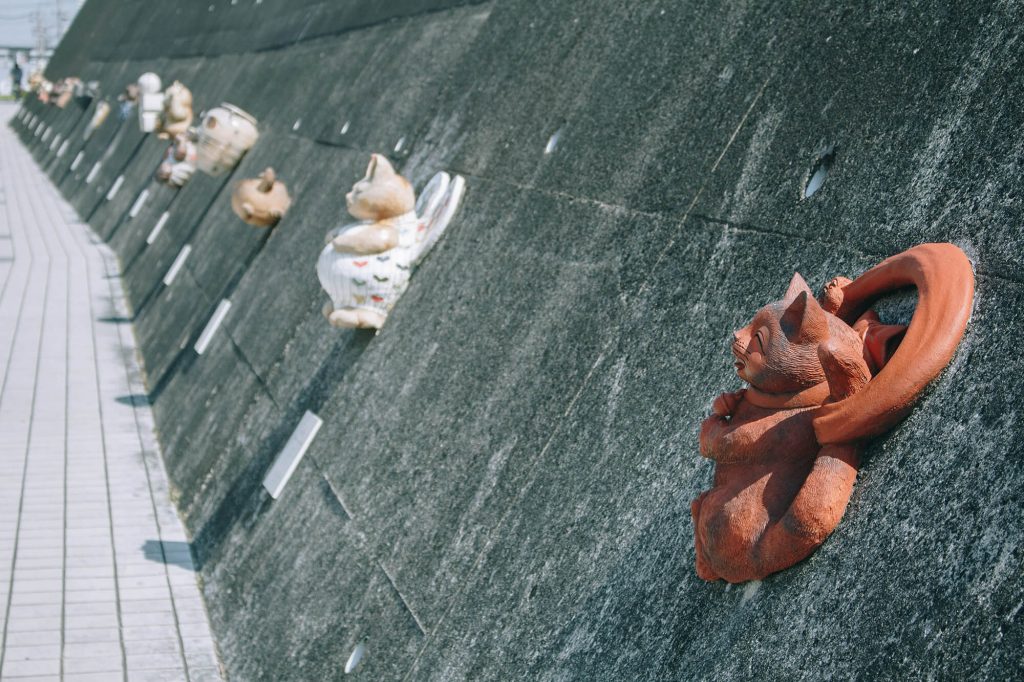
(365, 267)
(151, 101)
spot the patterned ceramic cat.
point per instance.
(787, 448)
(366, 267)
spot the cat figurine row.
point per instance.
(822, 374)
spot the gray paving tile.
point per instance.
(16, 669)
(110, 648)
(34, 638)
(92, 636)
(38, 652)
(43, 623)
(154, 661)
(166, 675)
(110, 665)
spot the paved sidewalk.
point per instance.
(96, 578)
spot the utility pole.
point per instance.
(40, 31)
(60, 20)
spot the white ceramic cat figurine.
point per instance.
(365, 267)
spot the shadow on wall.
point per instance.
(246, 499)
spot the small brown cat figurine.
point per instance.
(787, 448)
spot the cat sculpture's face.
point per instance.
(382, 194)
(177, 95)
(778, 351)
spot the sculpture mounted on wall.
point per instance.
(127, 101)
(823, 378)
(151, 101)
(38, 84)
(64, 90)
(261, 201)
(179, 162)
(224, 135)
(98, 118)
(365, 267)
(85, 92)
(176, 113)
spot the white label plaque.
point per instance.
(291, 454)
(212, 326)
(137, 206)
(93, 172)
(156, 228)
(116, 186)
(176, 265)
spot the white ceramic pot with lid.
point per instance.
(224, 135)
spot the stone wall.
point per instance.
(501, 487)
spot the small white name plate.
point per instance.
(63, 148)
(177, 265)
(78, 160)
(116, 186)
(137, 206)
(212, 326)
(93, 172)
(291, 454)
(156, 228)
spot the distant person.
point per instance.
(16, 75)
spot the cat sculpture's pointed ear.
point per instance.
(796, 286)
(379, 166)
(804, 321)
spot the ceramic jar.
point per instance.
(224, 135)
(261, 201)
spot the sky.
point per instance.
(17, 20)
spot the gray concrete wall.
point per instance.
(501, 487)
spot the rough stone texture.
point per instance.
(501, 487)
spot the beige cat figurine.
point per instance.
(177, 114)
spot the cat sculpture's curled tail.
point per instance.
(944, 280)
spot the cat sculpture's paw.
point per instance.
(355, 318)
(711, 430)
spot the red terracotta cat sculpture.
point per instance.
(823, 377)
